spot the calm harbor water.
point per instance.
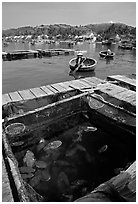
(29, 73)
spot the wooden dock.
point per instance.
(122, 94)
(28, 54)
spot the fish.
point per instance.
(80, 147)
(41, 164)
(35, 180)
(29, 158)
(62, 163)
(62, 182)
(71, 152)
(26, 169)
(103, 149)
(26, 176)
(53, 145)
(45, 176)
(16, 144)
(90, 128)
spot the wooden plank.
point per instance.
(15, 96)
(76, 84)
(58, 88)
(52, 89)
(66, 86)
(47, 90)
(88, 82)
(94, 80)
(6, 190)
(111, 89)
(85, 83)
(26, 94)
(6, 99)
(125, 81)
(38, 92)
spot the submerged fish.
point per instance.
(62, 163)
(103, 148)
(16, 144)
(53, 145)
(29, 158)
(26, 176)
(41, 144)
(35, 180)
(90, 128)
(45, 176)
(41, 164)
(71, 152)
(26, 169)
(63, 182)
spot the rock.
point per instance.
(29, 158)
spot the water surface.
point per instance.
(29, 73)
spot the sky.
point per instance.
(19, 14)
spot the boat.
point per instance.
(106, 55)
(89, 64)
(45, 129)
(106, 42)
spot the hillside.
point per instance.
(104, 29)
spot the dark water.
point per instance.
(77, 166)
(29, 73)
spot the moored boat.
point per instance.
(106, 55)
(89, 64)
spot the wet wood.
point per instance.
(38, 92)
(47, 90)
(6, 189)
(27, 94)
(58, 87)
(52, 89)
(15, 96)
(123, 81)
(6, 99)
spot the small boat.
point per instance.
(125, 46)
(89, 64)
(106, 42)
(106, 55)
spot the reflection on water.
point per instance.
(78, 75)
(29, 73)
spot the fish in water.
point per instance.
(71, 152)
(103, 149)
(26, 176)
(63, 182)
(41, 145)
(90, 128)
(53, 145)
(41, 164)
(80, 147)
(45, 176)
(29, 158)
(26, 169)
(35, 180)
(62, 163)
(16, 144)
